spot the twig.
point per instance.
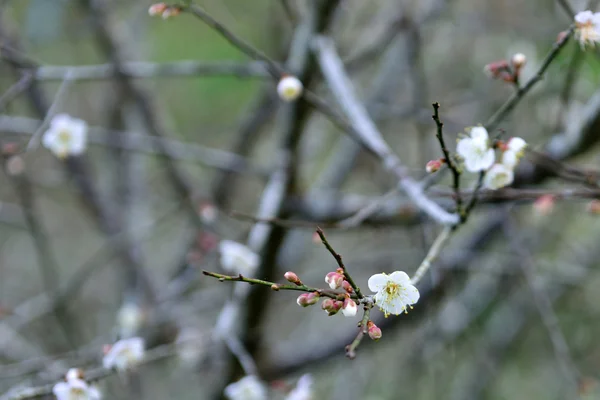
(363, 329)
(432, 254)
(364, 213)
(340, 262)
(361, 122)
(448, 158)
(275, 286)
(15, 90)
(511, 103)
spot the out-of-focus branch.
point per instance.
(133, 141)
(342, 89)
(142, 69)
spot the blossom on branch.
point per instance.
(75, 389)
(289, 88)
(588, 28)
(350, 308)
(499, 176)
(237, 258)
(475, 150)
(395, 292)
(124, 354)
(247, 388)
(66, 136)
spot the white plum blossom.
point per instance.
(66, 136)
(289, 88)
(237, 258)
(395, 292)
(76, 389)
(303, 389)
(515, 149)
(247, 388)
(475, 150)
(124, 354)
(588, 28)
(498, 176)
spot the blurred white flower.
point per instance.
(515, 149)
(191, 345)
(66, 136)
(124, 354)
(237, 258)
(289, 88)
(130, 319)
(498, 176)
(247, 388)
(74, 374)
(76, 389)
(588, 28)
(475, 150)
(395, 292)
(303, 389)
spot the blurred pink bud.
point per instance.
(374, 331)
(350, 308)
(544, 204)
(593, 207)
(495, 69)
(332, 307)
(316, 238)
(334, 280)
(347, 287)
(292, 277)
(157, 9)
(307, 299)
(518, 61)
(208, 212)
(433, 166)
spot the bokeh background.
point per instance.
(510, 309)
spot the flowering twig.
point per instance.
(338, 259)
(512, 102)
(273, 285)
(448, 158)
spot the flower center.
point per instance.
(64, 137)
(392, 289)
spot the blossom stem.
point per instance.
(455, 171)
(363, 329)
(276, 286)
(432, 254)
(340, 263)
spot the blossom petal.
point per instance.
(400, 277)
(61, 390)
(517, 144)
(510, 159)
(412, 294)
(488, 159)
(465, 147)
(377, 282)
(479, 133)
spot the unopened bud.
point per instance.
(74, 374)
(374, 331)
(292, 277)
(307, 299)
(544, 205)
(350, 308)
(347, 287)
(334, 280)
(332, 307)
(561, 36)
(208, 213)
(593, 207)
(496, 69)
(289, 88)
(157, 9)
(171, 12)
(275, 287)
(518, 61)
(433, 166)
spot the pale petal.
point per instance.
(61, 121)
(411, 294)
(465, 148)
(510, 159)
(377, 282)
(488, 159)
(400, 277)
(94, 393)
(479, 133)
(61, 390)
(394, 306)
(517, 144)
(584, 16)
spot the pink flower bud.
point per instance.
(544, 205)
(518, 61)
(302, 300)
(332, 307)
(292, 277)
(593, 207)
(433, 166)
(327, 304)
(496, 69)
(374, 331)
(350, 308)
(347, 287)
(334, 280)
(157, 9)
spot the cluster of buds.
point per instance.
(505, 70)
(163, 10)
(331, 305)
